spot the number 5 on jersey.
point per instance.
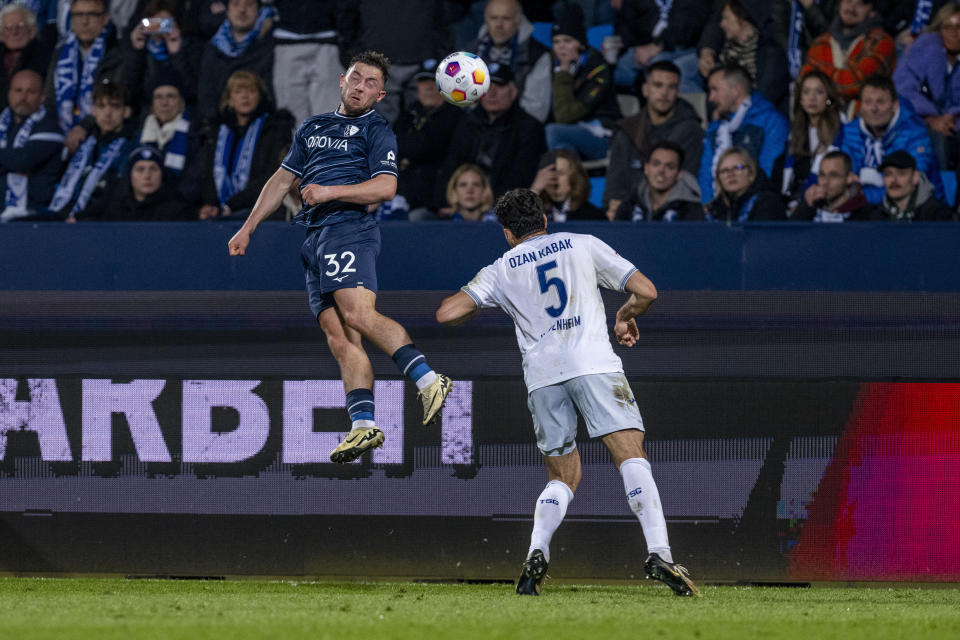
(546, 283)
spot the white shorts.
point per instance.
(604, 399)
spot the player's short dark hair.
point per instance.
(520, 211)
(663, 65)
(734, 74)
(836, 154)
(110, 91)
(669, 145)
(374, 59)
(880, 81)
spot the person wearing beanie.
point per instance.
(146, 196)
(167, 125)
(584, 100)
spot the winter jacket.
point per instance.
(633, 138)
(272, 145)
(683, 203)
(923, 206)
(216, 67)
(164, 204)
(531, 64)
(587, 94)
(758, 203)
(906, 132)
(763, 132)
(585, 212)
(423, 137)
(922, 78)
(508, 149)
(35, 56)
(636, 19)
(141, 68)
(871, 52)
(853, 209)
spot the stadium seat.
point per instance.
(597, 185)
(542, 33)
(597, 33)
(949, 185)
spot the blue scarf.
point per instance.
(744, 213)
(794, 51)
(223, 38)
(16, 194)
(664, 6)
(78, 167)
(231, 182)
(921, 16)
(75, 95)
(175, 151)
(158, 49)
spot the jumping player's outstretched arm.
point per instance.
(642, 294)
(456, 309)
(379, 188)
(271, 196)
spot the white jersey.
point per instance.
(549, 285)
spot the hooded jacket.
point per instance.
(633, 138)
(586, 94)
(922, 206)
(682, 203)
(905, 132)
(763, 133)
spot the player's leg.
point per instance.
(555, 425)
(357, 374)
(610, 412)
(358, 309)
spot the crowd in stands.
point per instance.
(692, 110)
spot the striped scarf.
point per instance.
(231, 181)
(170, 138)
(16, 192)
(75, 94)
(223, 38)
(79, 167)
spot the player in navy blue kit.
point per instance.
(345, 161)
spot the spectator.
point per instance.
(584, 102)
(307, 38)
(251, 140)
(908, 194)
(815, 123)
(667, 193)
(885, 125)
(506, 38)
(499, 136)
(89, 55)
(664, 116)
(712, 37)
(653, 31)
(151, 51)
(928, 78)
(907, 19)
(145, 195)
(389, 32)
(745, 45)
(424, 133)
(94, 170)
(564, 188)
(469, 196)
(167, 125)
(30, 145)
(745, 120)
(854, 48)
(243, 41)
(836, 196)
(20, 47)
(743, 193)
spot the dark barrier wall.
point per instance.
(437, 256)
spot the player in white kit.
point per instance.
(548, 284)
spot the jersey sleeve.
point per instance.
(613, 270)
(382, 150)
(483, 288)
(296, 158)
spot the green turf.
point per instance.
(102, 609)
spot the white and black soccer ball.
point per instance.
(462, 78)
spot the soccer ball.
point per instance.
(462, 78)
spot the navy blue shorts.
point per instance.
(340, 256)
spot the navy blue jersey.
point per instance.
(332, 149)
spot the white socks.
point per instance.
(426, 380)
(362, 424)
(644, 500)
(551, 507)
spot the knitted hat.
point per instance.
(570, 22)
(166, 76)
(146, 153)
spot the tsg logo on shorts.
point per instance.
(326, 142)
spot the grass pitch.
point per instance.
(235, 610)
